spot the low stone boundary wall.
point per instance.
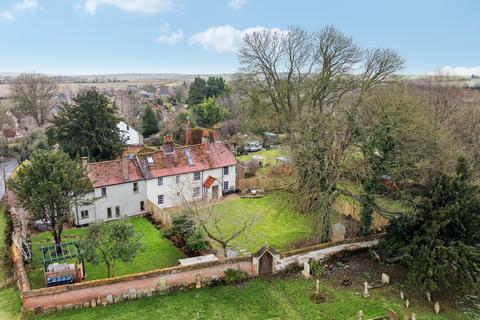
(324, 251)
(108, 291)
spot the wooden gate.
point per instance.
(265, 264)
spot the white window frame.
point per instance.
(160, 181)
(195, 176)
(177, 179)
(161, 199)
(226, 171)
(195, 193)
(225, 183)
(135, 187)
(104, 194)
(117, 211)
(84, 215)
(109, 210)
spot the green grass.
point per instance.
(10, 304)
(269, 156)
(159, 253)
(257, 299)
(277, 223)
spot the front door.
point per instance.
(265, 267)
(215, 192)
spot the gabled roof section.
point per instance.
(203, 157)
(108, 173)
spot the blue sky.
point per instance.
(201, 36)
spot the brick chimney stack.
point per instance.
(126, 176)
(188, 136)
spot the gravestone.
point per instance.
(306, 270)
(365, 289)
(162, 285)
(110, 299)
(402, 295)
(198, 281)
(385, 278)
(360, 315)
(429, 298)
(414, 316)
(132, 294)
(436, 307)
(338, 232)
(407, 303)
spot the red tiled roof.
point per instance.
(109, 173)
(204, 156)
(10, 132)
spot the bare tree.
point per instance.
(311, 84)
(33, 93)
(218, 226)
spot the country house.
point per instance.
(151, 179)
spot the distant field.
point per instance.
(4, 88)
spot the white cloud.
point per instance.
(143, 6)
(223, 38)
(6, 15)
(18, 6)
(237, 4)
(168, 36)
(26, 5)
(460, 71)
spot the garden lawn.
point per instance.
(3, 225)
(159, 253)
(277, 223)
(257, 299)
(268, 156)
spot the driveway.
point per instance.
(10, 165)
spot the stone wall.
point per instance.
(108, 291)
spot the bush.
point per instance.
(292, 270)
(316, 268)
(183, 226)
(196, 241)
(235, 276)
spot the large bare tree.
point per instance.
(311, 83)
(33, 94)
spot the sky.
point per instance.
(202, 36)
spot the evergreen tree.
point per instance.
(208, 113)
(216, 86)
(441, 242)
(88, 127)
(149, 123)
(196, 92)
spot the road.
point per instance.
(10, 165)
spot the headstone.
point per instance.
(436, 307)
(402, 295)
(110, 299)
(360, 315)
(149, 293)
(132, 294)
(198, 281)
(392, 315)
(429, 298)
(385, 278)
(162, 285)
(93, 303)
(414, 316)
(365, 289)
(317, 287)
(407, 303)
(59, 308)
(338, 231)
(68, 306)
(117, 299)
(306, 270)
(86, 304)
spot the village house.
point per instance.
(160, 179)
(129, 134)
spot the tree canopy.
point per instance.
(149, 123)
(88, 127)
(208, 113)
(200, 89)
(109, 242)
(33, 94)
(440, 242)
(49, 186)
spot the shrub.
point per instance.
(235, 276)
(196, 241)
(292, 270)
(183, 226)
(316, 268)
